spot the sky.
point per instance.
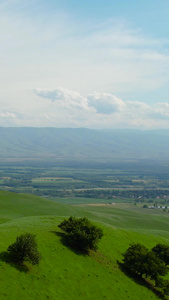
(94, 64)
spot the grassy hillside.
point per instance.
(62, 273)
(83, 144)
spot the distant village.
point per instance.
(156, 207)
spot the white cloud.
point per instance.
(58, 50)
(105, 103)
(8, 115)
(65, 98)
(62, 107)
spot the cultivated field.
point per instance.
(79, 184)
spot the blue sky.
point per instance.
(151, 16)
(95, 64)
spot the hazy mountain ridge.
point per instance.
(81, 143)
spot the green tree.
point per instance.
(81, 233)
(140, 261)
(153, 266)
(163, 284)
(24, 249)
(162, 251)
(134, 257)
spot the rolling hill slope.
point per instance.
(62, 273)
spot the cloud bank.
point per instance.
(100, 110)
(62, 107)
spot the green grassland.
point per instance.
(63, 273)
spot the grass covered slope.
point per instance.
(22, 205)
(62, 273)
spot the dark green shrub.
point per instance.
(24, 249)
(81, 233)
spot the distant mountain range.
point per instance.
(83, 144)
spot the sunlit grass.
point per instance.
(63, 273)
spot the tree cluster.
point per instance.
(138, 260)
(81, 233)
